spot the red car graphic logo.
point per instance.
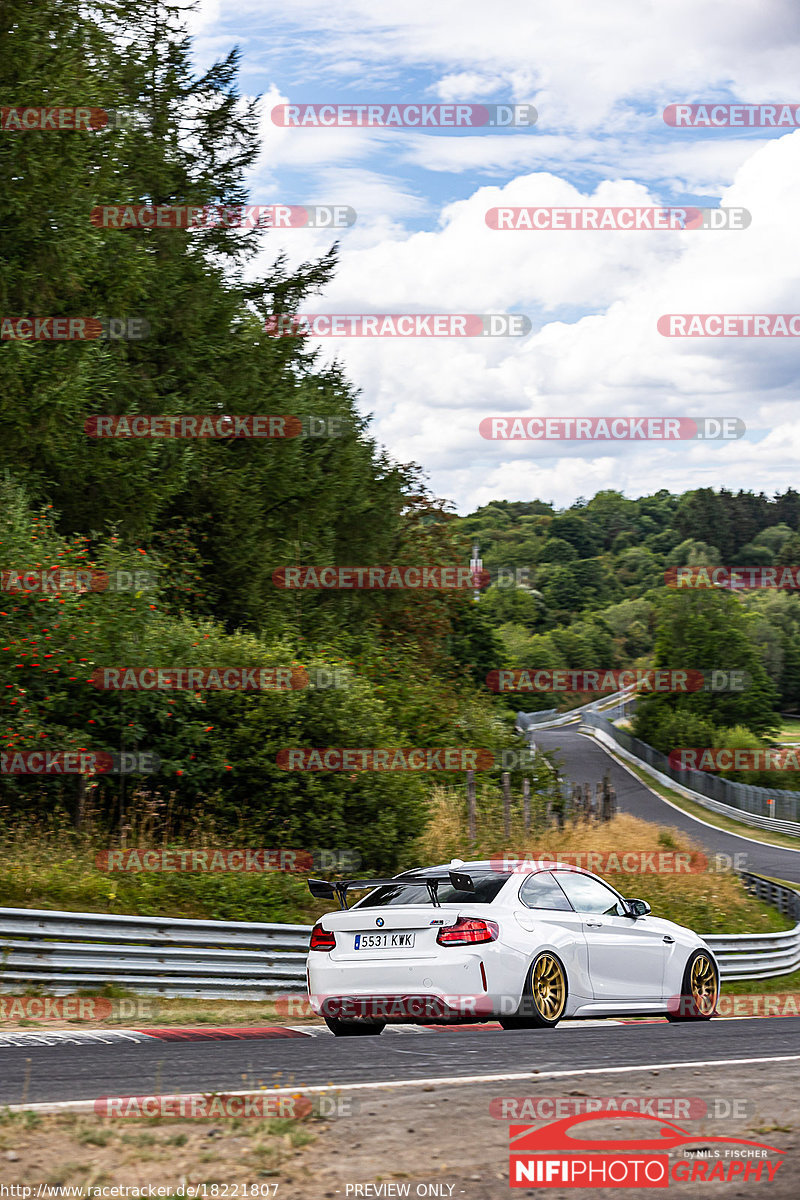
(555, 1136)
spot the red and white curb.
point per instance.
(109, 1037)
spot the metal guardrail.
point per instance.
(64, 952)
(784, 898)
(526, 721)
(762, 808)
(61, 952)
(529, 721)
(761, 955)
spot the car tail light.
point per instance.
(322, 939)
(468, 931)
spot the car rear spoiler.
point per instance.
(324, 889)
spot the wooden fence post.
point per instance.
(526, 803)
(506, 780)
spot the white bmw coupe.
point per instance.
(525, 947)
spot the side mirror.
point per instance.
(637, 908)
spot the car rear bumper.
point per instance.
(421, 990)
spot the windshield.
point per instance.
(486, 888)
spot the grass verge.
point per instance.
(56, 869)
(789, 731)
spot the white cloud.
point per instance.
(429, 396)
(578, 60)
(467, 85)
(599, 75)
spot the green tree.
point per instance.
(774, 537)
(475, 643)
(702, 517)
(501, 604)
(789, 553)
(691, 553)
(611, 513)
(754, 554)
(557, 550)
(579, 533)
(707, 630)
(790, 675)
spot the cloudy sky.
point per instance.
(600, 76)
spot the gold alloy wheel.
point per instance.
(549, 987)
(703, 985)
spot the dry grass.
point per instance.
(50, 867)
(72, 1149)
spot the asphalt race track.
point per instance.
(585, 761)
(83, 1072)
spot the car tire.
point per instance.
(544, 996)
(699, 989)
(354, 1028)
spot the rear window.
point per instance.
(486, 888)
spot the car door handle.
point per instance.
(594, 924)
(667, 938)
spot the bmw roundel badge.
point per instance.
(379, 921)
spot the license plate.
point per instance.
(383, 941)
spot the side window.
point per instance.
(542, 891)
(589, 895)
